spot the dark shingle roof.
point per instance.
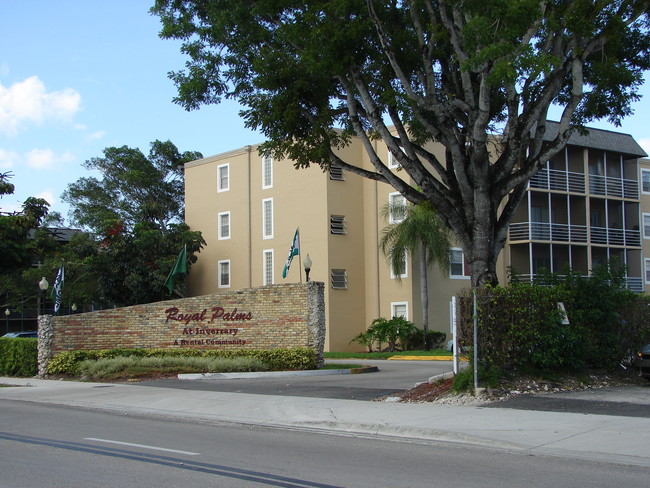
(599, 139)
(61, 234)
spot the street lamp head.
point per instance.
(7, 312)
(307, 263)
(43, 284)
(74, 307)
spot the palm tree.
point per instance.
(420, 231)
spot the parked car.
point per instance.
(29, 333)
(642, 361)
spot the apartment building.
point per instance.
(584, 208)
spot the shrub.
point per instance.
(18, 356)
(366, 339)
(134, 365)
(415, 342)
(68, 363)
(390, 332)
(521, 328)
(464, 380)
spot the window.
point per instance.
(336, 172)
(339, 279)
(392, 160)
(646, 225)
(224, 273)
(268, 267)
(647, 270)
(224, 225)
(458, 268)
(645, 180)
(223, 177)
(397, 208)
(402, 266)
(267, 218)
(399, 309)
(267, 172)
(337, 225)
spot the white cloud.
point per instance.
(29, 102)
(46, 158)
(10, 207)
(8, 159)
(97, 135)
(48, 196)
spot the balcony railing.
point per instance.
(615, 237)
(553, 179)
(544, 231)
(632, 283)
(569, 181)
(613, 187)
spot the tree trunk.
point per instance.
(424, 294)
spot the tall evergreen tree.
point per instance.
(423, 233)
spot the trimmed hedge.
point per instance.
(67, 363)
(18, 356)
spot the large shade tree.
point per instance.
(134, 209)
(450, 71)
(132, 188)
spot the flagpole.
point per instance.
(299, 255)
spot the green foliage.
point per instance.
(382, 331)
(385, 355)
(521, 328)
(453, 72)
(17, 249)
(68, 363)
(595, 306)
(134, 366)
(18, 356)
(131, 266)
(133, 189)
(464, 380)
(135, 211)
(365, 338)
(421, 227)
(415, 341)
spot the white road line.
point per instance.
(153, 448)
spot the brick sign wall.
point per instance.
(291, 315)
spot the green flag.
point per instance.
(57, 289)
(180, 267)
(294, 251)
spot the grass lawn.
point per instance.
(385, 355)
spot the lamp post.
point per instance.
(74, 308)
(307, 263)
(43, 285)
(7, 314)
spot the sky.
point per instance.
(78, 76)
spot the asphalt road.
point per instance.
(398, 376)
(392, 377)
(625, 401)
(59, 447)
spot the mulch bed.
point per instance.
(526, 385)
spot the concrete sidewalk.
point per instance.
(595, 437)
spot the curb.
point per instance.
(276, 374)
(420, 358)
